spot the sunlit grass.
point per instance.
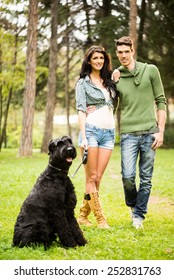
(121, 241)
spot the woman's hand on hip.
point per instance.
(90, 109)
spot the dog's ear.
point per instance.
(51, 146)
(67, 138)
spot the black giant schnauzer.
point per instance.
(48, 211)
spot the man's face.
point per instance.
(125, 55)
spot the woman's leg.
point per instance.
(103, 159)
(91, 169)
(90, 184)
(98, 160)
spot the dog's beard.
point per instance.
(62, 158)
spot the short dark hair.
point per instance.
(125, 40)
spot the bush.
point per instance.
(169, 136)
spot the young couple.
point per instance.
(139, 86)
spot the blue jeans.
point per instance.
(134, 147)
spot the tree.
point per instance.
(156, 40)
(30, 81)
(51, 94)
(0, 93)
(67, 76)
(133, 23)
(86, 23)
(11, 79)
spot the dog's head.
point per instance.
(62, 152)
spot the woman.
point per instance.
(95, 89)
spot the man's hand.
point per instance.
(116, 75)
(158, 142)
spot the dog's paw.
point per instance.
(72, 245)
(69, 244)
(82, 242)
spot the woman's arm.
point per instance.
(82, 122)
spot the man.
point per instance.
(141, 125)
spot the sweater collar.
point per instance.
(137, 73)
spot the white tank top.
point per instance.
(102, 117)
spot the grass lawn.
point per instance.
(121, 241)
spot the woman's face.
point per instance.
(97, 61)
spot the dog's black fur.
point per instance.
(48, 211)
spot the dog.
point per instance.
(48, 211)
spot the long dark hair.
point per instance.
(105, 72)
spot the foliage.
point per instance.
(107, 20)
(169, 136)
(86, 23)
(121, 241)
(11, 76)
(157, 45)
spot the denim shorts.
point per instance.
(99, 137)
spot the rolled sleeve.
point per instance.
(158, 88)
(80, 97)
(161, 103)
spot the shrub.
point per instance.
(169, 136)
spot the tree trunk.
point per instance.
(67, 79)
(3, 134)
(133, 23)
(88, 42)
(105, 13)
(142, 16)
(51, 94)
(30, 82)
(1, 99)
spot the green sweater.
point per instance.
(140, 89)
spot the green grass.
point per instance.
(121, 241)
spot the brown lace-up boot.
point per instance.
(96, 208)
(84, 212)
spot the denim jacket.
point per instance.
(88, 94)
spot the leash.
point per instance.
(84, 161)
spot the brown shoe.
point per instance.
(84, 212)
(96, 208)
